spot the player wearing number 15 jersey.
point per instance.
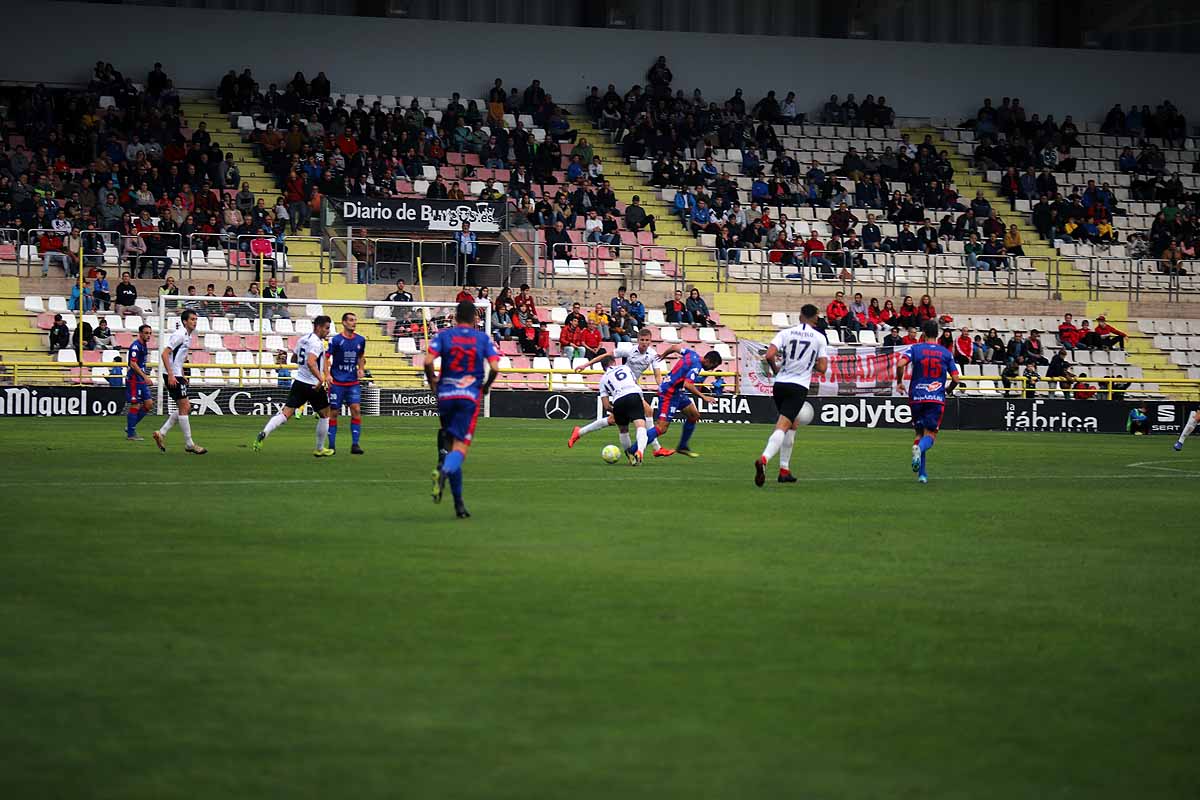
(460, 388)
(793, 355)
(932, 368)
(345, 365)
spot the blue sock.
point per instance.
(140, 414)
(456, 485)
(333, 434)
(925, 443)
(453, 463)
(651, 434)
(355, 430)
(131, 421)
(688, 428)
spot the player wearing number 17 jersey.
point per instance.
(932, 368)
(793, 355)
(460, 388)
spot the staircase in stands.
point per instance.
(738, 309)
(1155, 364)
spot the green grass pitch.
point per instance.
(272, 625)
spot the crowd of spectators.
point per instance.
(128, 172)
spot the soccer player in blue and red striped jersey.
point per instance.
(675, 394)
(344, 372)
(460, 389)
(137, 384)
(934, 375)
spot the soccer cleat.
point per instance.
(922, 479)
(355, 450)
(574, 438)
(439, 485)
(258, 441)
(664, 452)
(322, 452)
(786, 476)
(1178, 446)
(134, 439)
(684, 451)
(631, 457)
(640, 458)
(160, 441)
(195, 449)
(916, 459)
(760, 474)
(460, 511)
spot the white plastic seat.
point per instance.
(558, 314)
(56, 303)
(133, 322)
(407, 345)
(212, 342)
(303, 326)
(275, 343)
(242, 325)
(832, 336)
(34, 303)
(110, 356)
(313, 310)
(669, 333)
(655, 316)
(66, 356)
(244, 358)
(100, 375)
(223, 357)
(381, 312)
(708, 335)
(221, 325)
(284, 327)
(203, 325)
(780, 319)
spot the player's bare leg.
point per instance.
(1188, 427)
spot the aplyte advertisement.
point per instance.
(418, 214)
(61, 401)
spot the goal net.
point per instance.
(241, 355)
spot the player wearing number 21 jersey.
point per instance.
(460, 387)
(934, 375)
(793, 356)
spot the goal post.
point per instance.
(240, 355)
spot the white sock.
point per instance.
(1188, 428)
(625, 442)
(655, 446)
(170, 423)
(773, 445)
(641, 440)
(592, 427)
(273, 423)
(322, 432)
(785, 452)
(185, 425)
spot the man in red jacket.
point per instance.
(1068, 334)
(589, 337)
(1110, 337)
(569, 341)
(837, 315)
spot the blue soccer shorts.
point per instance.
(458, 416)
(137, 392)
(344, 395)
(927, 416)
(671, 400)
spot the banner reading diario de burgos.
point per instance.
(418, 214)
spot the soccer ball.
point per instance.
(806, 414)
(611, 454)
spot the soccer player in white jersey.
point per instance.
(174, 356)
(622, 398)
(638, 358)
(1188, 427)
(794, 354)
(308, 386)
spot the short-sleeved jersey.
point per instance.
(618, 382)
(310, 344)
(932, 368)
(344, 353)
(137, 355)
(463, 350)
(177, 346)
(687, 368)
(636, 360)
(799, 348)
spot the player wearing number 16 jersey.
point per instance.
(793, 355)
(622, 397)
(932, 368)
(460, 388)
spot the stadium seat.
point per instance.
(223, 357)
(275, 343)
(832, 335)
(867, 337)
(284, 327)
(212, 342)
(221, 325)
(66, 356)
(558, 314)
(708, 335)
(313, 310)
(242, 325)
(56, 304)
(111, 356)
(34, 303)
(669, 334)
(302, 326)
(407, 345)
(780, 319)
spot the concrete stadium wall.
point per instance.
(388, 56)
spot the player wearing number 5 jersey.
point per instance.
(460, 388)
(174, 356)
(933, 368)
(792, 357)
(344, 371)
(308, 388)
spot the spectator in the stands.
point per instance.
(697, 309)
(636, 217)
(925, 309)
(591, 340)
(1082, 389)
(622, 327)
(893, 339)
(60, 334)
(100, 291)
(80, 299)
(558, 242)
(103, 335)
(946, 340)
(1033, 352)
(569, 340)
(637, 310)
(964, 347)
(861, 313)
(598, 316)
(1068, 333)
(994, 254)
(838, 316)
(1110, 337)
(814, 256)
(675, 310)
(994, 350)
